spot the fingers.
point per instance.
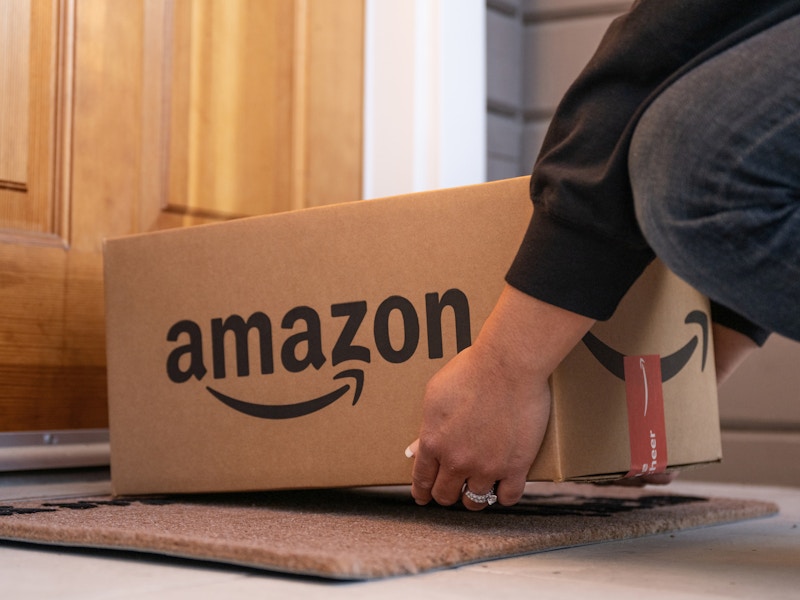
(431, 482)
(423, 476)
(510, 491)
(506, 492)
(478, 494)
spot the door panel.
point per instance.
(31, 45)
(232, 69)
(264, 102)
(15, 24)
(132, 116)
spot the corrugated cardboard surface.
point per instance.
(306, 272)
(651, 319)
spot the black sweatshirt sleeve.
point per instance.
(583, 248)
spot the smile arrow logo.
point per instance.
(614, 361)
(299, 409)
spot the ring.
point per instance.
(487, 498)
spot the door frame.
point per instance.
(424, 95)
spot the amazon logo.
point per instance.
(614, 361)
(299, 345)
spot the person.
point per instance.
(680, 139)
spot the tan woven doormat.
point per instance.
(362, 533)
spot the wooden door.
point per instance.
(123, 117)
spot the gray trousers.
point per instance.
(715, 171)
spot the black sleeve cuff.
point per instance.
(573, 269)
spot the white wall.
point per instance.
(425, 95)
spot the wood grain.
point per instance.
(141, 115)
(29, 45)
(15, 25)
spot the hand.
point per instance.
(731, 348)
(479, 427)
(486, 411)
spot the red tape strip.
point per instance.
(646, 424)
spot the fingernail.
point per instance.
(409, 452)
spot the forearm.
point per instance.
(486, 412)
(526, 338)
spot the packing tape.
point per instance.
(646, 424)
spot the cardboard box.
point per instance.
(292, 350)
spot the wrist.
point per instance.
(525, 338)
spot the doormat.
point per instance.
(363, 533)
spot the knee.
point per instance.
(658, 172)
(675, 175)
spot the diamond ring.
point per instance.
(487, 498)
